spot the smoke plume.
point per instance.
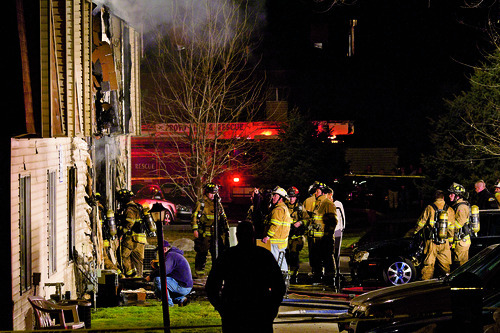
(149, 15)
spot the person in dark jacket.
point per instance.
(257, 212)
(485, 200)
(179, 278)
(246, 285)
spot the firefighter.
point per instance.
(436, 230)
(297, 230)
(133, 235)
(278, 227)
(310, 202)
(315, 231)
(106, 233)
(460, 223)
(111, 243)
(327, 215)
(203, 225)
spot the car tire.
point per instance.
(399, 271)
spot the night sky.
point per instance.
(409, 56)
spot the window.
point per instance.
(52, 229)
(25, 232)
(72, 182)
(279, 94)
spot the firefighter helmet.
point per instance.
(328, 189)
(497, 184)
(211, 188)
(316, 185)
(124, 195)
(280, 191)
(292, 192)
(457, 189)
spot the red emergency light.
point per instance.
(236, 179)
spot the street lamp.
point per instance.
(158, 213)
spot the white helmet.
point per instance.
(280, 191)
(498, 184)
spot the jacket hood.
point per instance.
(176, 250)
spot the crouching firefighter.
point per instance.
(297, 231)
(133, 234)
(210, 228)
(466, 223)
(436, 231)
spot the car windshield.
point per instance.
(176, 193)
(481, 264)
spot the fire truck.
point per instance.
(236, 186)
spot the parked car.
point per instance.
(421, 298)
(398, 261)
(151, 194)
(183, 203)
(442, 322)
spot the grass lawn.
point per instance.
(198, 316)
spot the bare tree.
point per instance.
(204, 78)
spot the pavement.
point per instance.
(312, 308)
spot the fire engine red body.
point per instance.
(235, 186)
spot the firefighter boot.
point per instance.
(329, 280)
(286, 278)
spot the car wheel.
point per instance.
(399, 271)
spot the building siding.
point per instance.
(35, 157)
(379, 159)
(69, 136)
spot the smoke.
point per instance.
(149, 16)
(143, 15)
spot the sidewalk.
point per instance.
(309, 319)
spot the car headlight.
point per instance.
(361, 255)
(359, 309)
